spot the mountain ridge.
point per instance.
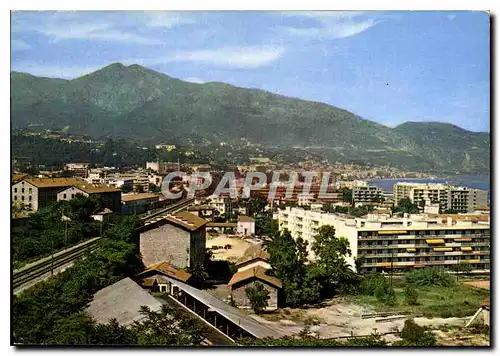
(137, 102)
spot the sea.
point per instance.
(474, 182)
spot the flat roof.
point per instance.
(244, 321)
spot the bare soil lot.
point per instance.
(338, 317)
(479, 284)
(238, 246)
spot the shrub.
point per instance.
(430, 277)
(258, 296)
(370, 283)
(415, 335)
(411, 295)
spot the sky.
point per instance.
(387, 67)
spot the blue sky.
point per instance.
(388, 67)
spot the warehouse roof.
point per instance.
(244, 321)
(53, 182)
(139, 196)
(121, 301)
(166, 269)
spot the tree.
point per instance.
(258, 297)
(405, 205)
(256, 205)
(265, 225)
(334, 273)
(154, 189)
(346, 195)
(359, 261)
(411, 295)
(288, 258)
(168, 326)
(139, 188)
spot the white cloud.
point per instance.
(167, 19)
(74, 25)
(451, 17)
(236, 57)
(19, 45)
(53, 70)
(333, 24)
(193, 80)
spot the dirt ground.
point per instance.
(461, 338)
(339, 318)
(479, 284)
(238, 246)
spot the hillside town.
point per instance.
(212, 251)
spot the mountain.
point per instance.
(139, 103)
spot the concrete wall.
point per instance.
(240, 297)
(165, 243)
(249, 226)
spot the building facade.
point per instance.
(139, 203)
(80, 170)
(109, 196)
(449, 197)
(35, 193)
(245, 225)
(367, 194)
(178, 239)
(389, 244)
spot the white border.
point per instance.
(164, 5)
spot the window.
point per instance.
(15, 190)
(64, 196)
(31, 190)
(22, 198)
(30, 198)
(15, 197)
(22, 190)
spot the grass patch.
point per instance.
(458, 300)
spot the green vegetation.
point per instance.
(309, 283)
(432, 276)
(415, 335)
(444, 299)
(406, 206)
(258, 297)
(374, 340)
(55, 227)
(51, 313)
(109, 102)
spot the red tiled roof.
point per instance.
(167, 269)
(256, 272)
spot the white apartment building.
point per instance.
(351, 184)
(398, 244)
(449, 197)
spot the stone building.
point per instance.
(248, 278)
(178, 239)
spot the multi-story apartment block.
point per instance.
(35, 193)
(162, 167)
(351, 184)
(367, 194)
(95, 176)
(449, 197)
(78, 169)
(139, 178)
(397, 244)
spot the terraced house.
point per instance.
(395, 244)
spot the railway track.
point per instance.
(36, 270)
